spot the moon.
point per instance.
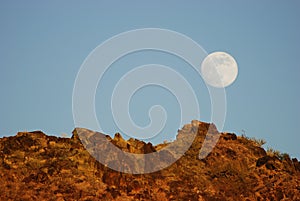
(219, 69)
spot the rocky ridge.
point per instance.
(35, 166)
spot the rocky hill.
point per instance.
(35, 166)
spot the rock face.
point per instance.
(34, 166)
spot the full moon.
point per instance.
(219, 69)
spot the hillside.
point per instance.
(35, 166)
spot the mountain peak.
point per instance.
(237, 168)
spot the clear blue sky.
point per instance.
(43, 44)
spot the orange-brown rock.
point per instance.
(34, 166)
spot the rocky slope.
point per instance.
(34, 166)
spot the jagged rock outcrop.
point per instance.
(34, 166)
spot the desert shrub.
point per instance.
(272, 152)
(258, 142)
(262, 142)
(284, 156)
(281, 156)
